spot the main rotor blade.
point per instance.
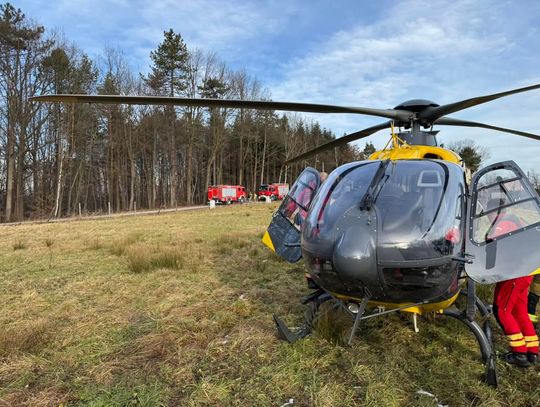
(434, 113)
(447, 121)
(340, 141)
(398, 115)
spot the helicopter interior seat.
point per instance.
(387, 198)
(397, 211)
(430, 196)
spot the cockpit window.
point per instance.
(503, 204)
(295, 206)
(416, 207)
(410, 198)
(429, 178)
(343, 189)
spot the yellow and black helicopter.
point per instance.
(403, 230)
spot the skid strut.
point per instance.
(359, 314)
(314, 301)
(483, 333)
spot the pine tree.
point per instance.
(169, 76)
(169, 71)
(471, 154)
(368, 150)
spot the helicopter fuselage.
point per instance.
(390, 230)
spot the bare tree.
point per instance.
(22, 49)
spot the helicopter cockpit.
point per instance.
(405, 229)
(408, 200)
(395, 223)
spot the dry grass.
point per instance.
(20, 245)
(25, 337)
(176, 310)
(147, 259)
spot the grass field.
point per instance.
(176, 310)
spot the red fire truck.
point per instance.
(274, 191)
(226, 194)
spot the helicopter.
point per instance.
(403, 231)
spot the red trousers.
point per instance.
(510, 307)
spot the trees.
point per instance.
(169, 76)
(369, 149)
(57, 67)
(22, 49)
(534, 178)
(471, 153)
(55, 159)
(215, 85)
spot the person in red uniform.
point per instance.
(510, 299)
(534, 296)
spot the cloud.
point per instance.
(137, 26)
(383, 60)
(444, 51)
(374, 54)
(209, 24)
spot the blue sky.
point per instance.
(358, 52)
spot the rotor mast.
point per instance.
(418, 137)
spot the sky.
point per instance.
(344, 52)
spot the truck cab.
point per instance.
(273, 191)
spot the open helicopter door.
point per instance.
(283, 234)
(503, 225)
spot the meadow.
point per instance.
(175, 310)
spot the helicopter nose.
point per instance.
(354, 255)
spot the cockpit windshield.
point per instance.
(415, 204)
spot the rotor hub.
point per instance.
(416, 105)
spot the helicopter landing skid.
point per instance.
(482, 333)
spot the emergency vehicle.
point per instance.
(274, 191)
(226, 194)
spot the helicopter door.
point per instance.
(503, 225)
(283, 234)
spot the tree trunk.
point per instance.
(173, 160)
(132, 172)
(57, 208)
(10, 176)
(189, 180)
(263, 157)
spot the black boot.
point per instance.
(518, 359)
(532, 358)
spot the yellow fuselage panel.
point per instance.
(416, 153)
(267, 240)
(537, 271)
